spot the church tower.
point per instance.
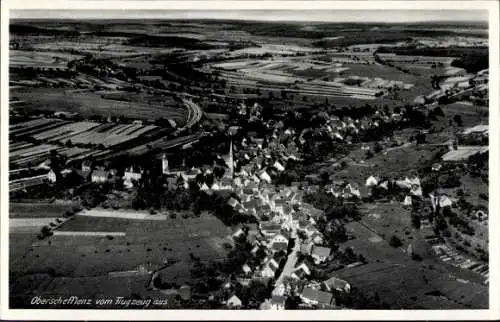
(164, 164)
(230, 161)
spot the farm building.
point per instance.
(315, 297)
(100, 176)
(234, 302)
(336, 284)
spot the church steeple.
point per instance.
(230, 161)
(164, 164)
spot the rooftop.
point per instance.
(317, 295)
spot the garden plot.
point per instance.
(66, 130)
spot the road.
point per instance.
(194, 113)
(290, 264)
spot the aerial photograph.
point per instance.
(257, 160)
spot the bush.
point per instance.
(451, 181)
(395, 242)
(416, 257)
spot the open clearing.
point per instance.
(145, 241)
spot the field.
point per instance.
(416, 286)
(88, 104)
(400, 281)
(145, 241)
(36, 215)
(391, 162)
(42, 59)
(89, 260)
(37, 210)
(29, 154)
(471, 114)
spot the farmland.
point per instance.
(128, 252)
(37, 58)
(394, 266)
(25, 222)
(81, 257)
(178, 136)
(74, 140)
(88, 104)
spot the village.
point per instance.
(250, 165)
(281, 227)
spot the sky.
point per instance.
(263, 15)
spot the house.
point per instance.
(408, 201)
(51, 176)
(234, 302)
(100, 176)
(86, 166)
(315, 297)
(279, 238)
(279, 247)
(278, 166)
(280, 290)
(336, 284)
(317, 237)
(269, 269)
(226, 184)
(185, 292)
(436, 166)
(215, 186)
(384, 185)
(238, 233)
(246, 269)
(320, 254)
(445, 201)
(269, 229)
(371, 181)
(231, 202)
(130, 175)
(278, 205)
(313, 212)
(301, 271)
(416, 191)
(278, 302)
(204, 187)
(306, 247)
(264, 176)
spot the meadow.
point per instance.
(88, 104)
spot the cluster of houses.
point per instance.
(283, 220)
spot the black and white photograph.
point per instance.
(224, 158)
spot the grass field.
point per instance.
(145, 241)
(40, 59)
(416, 287)
(471, 114)
(88, 104)
(397, 162)
(37, 210)
(400, 281)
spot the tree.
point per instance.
(458, 119)
(395, 241)
(420, 138)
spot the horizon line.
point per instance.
(314, 15)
